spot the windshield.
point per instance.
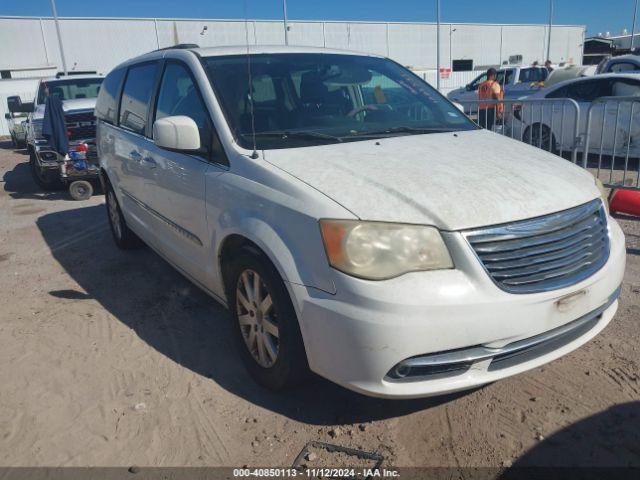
(70, 89)
(307, 99)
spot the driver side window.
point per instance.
(476, 83)
(179, 95)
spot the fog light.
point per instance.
(401, 371)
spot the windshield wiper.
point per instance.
(402, 129)
(284, 135)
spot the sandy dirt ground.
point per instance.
(111, 358)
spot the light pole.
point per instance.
(55, 17)
(438, 43)
(633, 29)
(451, 30)
(549, 33)
(286, 25)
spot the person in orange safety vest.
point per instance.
(490, 90)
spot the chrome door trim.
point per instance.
(182, 231)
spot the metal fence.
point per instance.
(603, 138)
(616, 150)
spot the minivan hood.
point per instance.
(452, 181)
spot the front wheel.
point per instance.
(267, 330)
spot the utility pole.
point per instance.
(549, 33)
(633, 29)
(286, 24)
(438, 44)
(55, 17)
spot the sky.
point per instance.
(597, 15)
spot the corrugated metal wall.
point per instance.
(99, 44)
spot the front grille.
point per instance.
(81, 125)
(544, 253)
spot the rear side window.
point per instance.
(134, 105)
(530, 75)
(107, 104)
(589, 90)
(624, 67)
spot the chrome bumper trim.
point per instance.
(476, 354)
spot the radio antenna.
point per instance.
(254, 154)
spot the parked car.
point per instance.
(557, 126)
(17, 128)
(353, 220)
(517, 81)
(78, 94)
(622, 64)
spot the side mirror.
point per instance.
(7, 116)
(468, 87)
(15, 105)
(176, 133)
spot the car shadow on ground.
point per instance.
(604, 445)
(180, 321)
(19, 184)
(7, 145)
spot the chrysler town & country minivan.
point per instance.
(354, 221)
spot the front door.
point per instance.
(178, 199)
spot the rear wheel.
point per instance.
(122, 234)
(267, 330)
(540, 136)
(45, 179)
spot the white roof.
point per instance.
(555, 86)
(258, 49)
(71, 77)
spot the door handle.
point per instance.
(149, 162)
(135, 156)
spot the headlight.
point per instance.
(37, 129)
(603, 194)
(377, 250)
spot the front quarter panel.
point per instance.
(276, 212)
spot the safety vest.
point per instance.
(490, 90)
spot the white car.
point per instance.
(517, 81)
(621, 64)
(353, 220)
(556, 122)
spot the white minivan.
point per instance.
(353, 220)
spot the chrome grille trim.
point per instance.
(544, 253)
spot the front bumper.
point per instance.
(356, 337)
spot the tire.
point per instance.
(532, 137)
(47, 180)
(261, 330)
(80, 190)
(123, 236)
(14, 142)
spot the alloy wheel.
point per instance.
(258, 318)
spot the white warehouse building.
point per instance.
(30, 47)
(98, 44)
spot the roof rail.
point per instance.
(179, 46)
